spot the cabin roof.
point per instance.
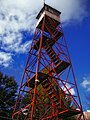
(37, 17)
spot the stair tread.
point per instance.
(53, 96)
(48, 89)
(57, 62)
(45, 81)
(56, 103)
(45, 86)
(48, 49)
(50, 42)
(50, 93)
(51, 53)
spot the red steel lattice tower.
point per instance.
(48, 78)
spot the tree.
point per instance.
(8, 89)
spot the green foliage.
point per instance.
(8, 88)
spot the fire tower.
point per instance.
(48, 80)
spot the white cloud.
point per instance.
(18, 15)
(70, 9)
(68, 86)
(5, 59)
(13, 43)
(86, 83)
(22, 48)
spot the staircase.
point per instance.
(52, 54)
(60, 65)
(52, 93)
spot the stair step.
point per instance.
(53, 96)
(50, 93)
(57, 61)
(52, 56)
(50, 51)
(48, 89)
(46, 85)
(57, 104)
(47, 48)
(45, 81)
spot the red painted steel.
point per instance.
(48, 78)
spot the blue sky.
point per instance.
(78, 40)
(17, 24)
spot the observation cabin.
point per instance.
(48, 12)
